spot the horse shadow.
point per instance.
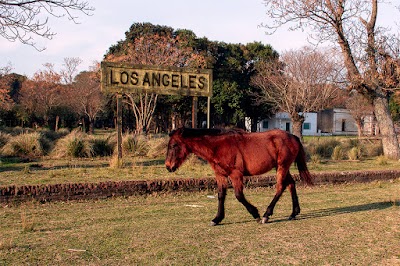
(333, 211)
(342, 210)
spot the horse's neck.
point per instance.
(202, 148)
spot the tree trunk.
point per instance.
(389, 139)
(359, 127)
(297, 128)
(57, 121)
(91, 126)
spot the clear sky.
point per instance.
(231, 21)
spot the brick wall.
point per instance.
(65, 192)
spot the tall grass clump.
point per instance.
(4, 137)
(26, 145)
(102, 145)
(338, 153)
(135, 145)
(354, 153)
(158, 147)
(74, 145)
(324, 147)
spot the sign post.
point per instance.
(125, 78)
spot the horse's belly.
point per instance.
(257, 168)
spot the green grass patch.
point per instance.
(353, 224)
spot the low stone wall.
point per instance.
(65, 192)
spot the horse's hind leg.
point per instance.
(280, 188)
(295, 199)
(237, 183)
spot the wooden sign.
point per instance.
(124, 78)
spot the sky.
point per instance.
(230, 21)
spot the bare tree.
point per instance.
(70, 69)
(301, 83)
(359, 108)
(352, 25)
(24, 20)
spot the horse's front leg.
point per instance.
(237, 183)
(222, 186)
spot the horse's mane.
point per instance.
(192, 132)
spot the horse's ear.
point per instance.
(176, 131)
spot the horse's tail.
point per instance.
(302, 165)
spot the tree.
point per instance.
(25, 20)
(359, 108)
(85, 95)
(6, 102)
(44, 92)
(301, 83)
(70, 68)
(234, 98)
(352, 26)
(147, 44)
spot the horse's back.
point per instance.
(263, 151)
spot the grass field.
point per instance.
(352, 224)
(50, 171)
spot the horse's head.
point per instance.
(177, 150)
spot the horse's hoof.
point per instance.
(292, 218)
(258, 220)
(264, 220)
(213, 223)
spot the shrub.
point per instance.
(26, 145)
(354, 153)
(382, 160)
(315, 159)
(4, 137)
(54, 135)
(135, 145)
(75, 145)
(322, 146)
(338, 153)
(157, 147)
(102, 146)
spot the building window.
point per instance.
(265, 124)
(306, 126)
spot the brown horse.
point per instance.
(235, 153)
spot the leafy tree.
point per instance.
(234, 98)
(42, 93)
(365, 47)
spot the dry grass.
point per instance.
(353, 224)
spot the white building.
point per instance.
(282, 121)
(337, 121)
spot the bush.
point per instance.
(102, 146)
(158, 147)
(338, 153)
(354, 153)
(26, 145)
(134, 145)
(75, 145)
(4, 137)
(322, 146)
